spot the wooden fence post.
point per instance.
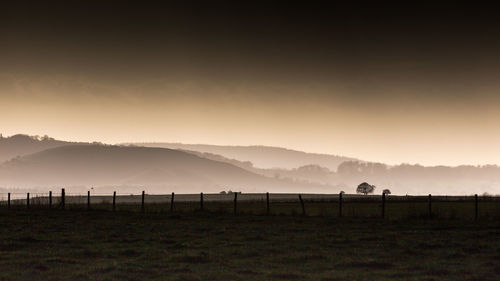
(172, 203)
(63, 198)
(142, 202)
(340, 204)
(114, 201)
(201, 201)
(267, 201)
(8, 201)
(475, 207)
(430, 206)
(383, 205)
(302, 204)
(28, 200)
(88, 200)
(235, 202)
(50, 199)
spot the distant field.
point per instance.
(361, 206)
(103, 245)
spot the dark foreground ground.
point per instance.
(101, 245)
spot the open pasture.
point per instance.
(76, 244)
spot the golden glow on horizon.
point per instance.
(386, 127)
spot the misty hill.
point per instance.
(400, 179)
(305, 174)
(417, 179)
(262, 156)
(19, 145)
(165, 170)
(92, 165)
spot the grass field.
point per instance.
(354, 206)
(43, 244)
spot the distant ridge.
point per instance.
(91, 165)
(261, 156)
(41, 162)
(19, 145)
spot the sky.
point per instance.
(385, 82)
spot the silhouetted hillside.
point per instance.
(19, 145)
(262, 156)
(307, 173)
(400, 179)
(92, 165)
(164, 170)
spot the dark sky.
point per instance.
(252, 68)
(232, 38)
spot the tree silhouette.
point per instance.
(365, 188)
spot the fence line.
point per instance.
(280, 201)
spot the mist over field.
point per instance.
(43, 163)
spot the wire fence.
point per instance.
(335, 205)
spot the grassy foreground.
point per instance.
(102, 245)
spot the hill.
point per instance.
(262, 156)
(20, 145)
(188, 170)
(160, 168)
(305, 174)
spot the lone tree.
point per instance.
(386, 191)
(365, 188)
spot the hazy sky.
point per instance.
(381, 82)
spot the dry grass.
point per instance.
(102, 245)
